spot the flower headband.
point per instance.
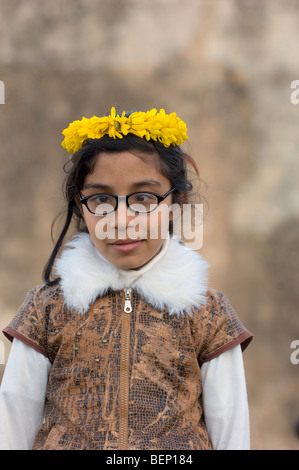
(168, 129)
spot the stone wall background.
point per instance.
(225, 66)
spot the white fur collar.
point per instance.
(176, 279)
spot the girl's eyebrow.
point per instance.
(138, 184)
(147, 183)
(96, 186)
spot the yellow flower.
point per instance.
(97, 127)
(75, 135)
(119, 125)
(169, 129)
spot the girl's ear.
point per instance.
(183, 198)
(78, 204)
(78, 211)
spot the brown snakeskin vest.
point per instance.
(124, 375)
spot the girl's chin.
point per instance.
(125, 256)
(133, 255)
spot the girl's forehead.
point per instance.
(126, 168)
(133, 157)
(126, 164)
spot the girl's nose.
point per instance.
(121, 215)
(121, 219)
(129, 224)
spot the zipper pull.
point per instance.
(128, 305)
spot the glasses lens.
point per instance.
(101, 204)
(143, 202)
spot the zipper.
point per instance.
(128, 305)
(124, 370)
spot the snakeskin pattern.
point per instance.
(122, 380)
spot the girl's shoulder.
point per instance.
(41, 308)
(38, 304)
(43, 293)
(217, 304)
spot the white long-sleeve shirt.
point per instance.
(24, 384)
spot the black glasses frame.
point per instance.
(84, 200)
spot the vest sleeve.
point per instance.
(223, 328)
(28, 325)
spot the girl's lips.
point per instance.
(126, 245)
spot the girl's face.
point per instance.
(127, 239)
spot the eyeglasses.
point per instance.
(141, 201)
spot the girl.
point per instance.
(125, 346)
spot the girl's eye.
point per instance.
(144, 198)
(141, 198)
(101, 204)
(143, 202)
(101, 199)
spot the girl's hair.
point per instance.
(172, 163)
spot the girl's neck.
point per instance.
(133, 274)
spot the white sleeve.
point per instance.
(225, 401)
(22, 396)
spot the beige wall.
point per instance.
(225, 66)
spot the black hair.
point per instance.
(172, 163)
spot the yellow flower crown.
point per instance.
(168, 129)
